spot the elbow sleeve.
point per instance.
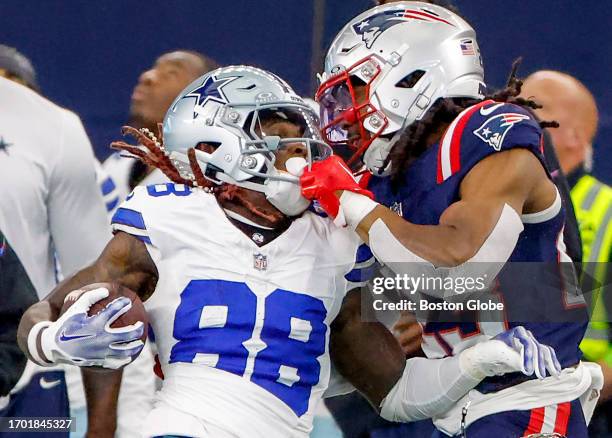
(427, 388)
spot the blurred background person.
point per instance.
(138, 385)
(568, 101)
(50, 208)
(156, 89)
(18, 68)
(16, 288)
(16, 291)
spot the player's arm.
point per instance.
(371, 359)
(493, 194)
(124, 260)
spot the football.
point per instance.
(134, 314)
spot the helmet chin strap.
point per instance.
(232, 214)
(375, 157)
(287, 196)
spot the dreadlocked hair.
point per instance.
(414, 140)
(152, 152)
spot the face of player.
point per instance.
(285, 129)
(158, 86)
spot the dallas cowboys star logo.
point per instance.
(4, 145)
(211, 89)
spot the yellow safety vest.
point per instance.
(592, 202)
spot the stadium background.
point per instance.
(88, 55)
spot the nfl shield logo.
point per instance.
(260, 262)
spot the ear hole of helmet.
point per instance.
(208, 147)
(410, 80)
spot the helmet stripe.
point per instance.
(425, 14)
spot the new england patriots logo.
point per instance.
(494, 130)
(211, 89)
(373, 26)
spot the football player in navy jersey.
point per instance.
(250, 295)
(461, 190)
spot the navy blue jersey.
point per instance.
(534, 294)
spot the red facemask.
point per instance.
(340, 109)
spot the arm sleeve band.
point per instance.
(33, 339)
(427, 388)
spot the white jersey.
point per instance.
(242, 330)
(50, 200)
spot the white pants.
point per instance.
(167, 420)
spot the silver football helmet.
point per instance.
(405, 56)
(227, 109)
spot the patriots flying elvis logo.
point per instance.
(494, 129)
(211, 89)
(373, 26)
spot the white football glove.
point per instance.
(514, 350)
(82, 340)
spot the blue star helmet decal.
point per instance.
(211, 89)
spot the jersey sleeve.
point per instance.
(109, 190)
(77, 217)
(482, 130)
(130, 216)
(363, 269)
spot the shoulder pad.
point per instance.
(483, 129)
(129, 216)
(147, 206)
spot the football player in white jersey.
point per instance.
(246, 290)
